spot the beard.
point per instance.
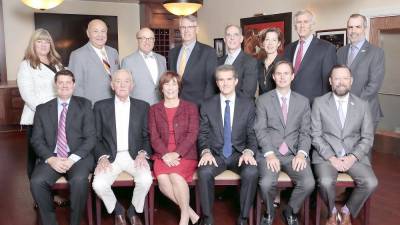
(341, 90)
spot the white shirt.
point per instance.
(122, 112)
(232, 57)
(99, 54)
(345, 101)
(231, 107)
(306, 44)
(73, 157)
(151, 64)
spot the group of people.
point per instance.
(202, 115)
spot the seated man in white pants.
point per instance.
(122, 145)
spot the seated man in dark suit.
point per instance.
(227, 141)
(245, 65)
(63, 138)
(342, 134)
(122, 145)
(282, 128)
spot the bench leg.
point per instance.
(251, 216)
(98, 210)
(197, 199)
(89, 207)
(367, 208)
(307, 211)
(318, 209)
(258, 208)
(146, 210)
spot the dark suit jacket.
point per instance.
(198, 82)
(186, 128)
(312, 79)
(246, 68)
(79, 128)
(265, 81)
(104, 112)
(211, 134)
(368, 70)
(271, 129)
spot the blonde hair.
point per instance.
(31, 55)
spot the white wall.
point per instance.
(19, 25)
(330, 14)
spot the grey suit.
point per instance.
(92, 80)
(145, 88)
(368, 70)
(271, 132)
(356, 138)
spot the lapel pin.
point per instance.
(363, 50)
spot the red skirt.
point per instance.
(186, 168)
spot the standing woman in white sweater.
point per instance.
(35, 81)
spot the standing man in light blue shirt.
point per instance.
(366, 62)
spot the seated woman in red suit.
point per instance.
(173, 126)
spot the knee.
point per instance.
(308, 184)
(99, 185)
(326, 182)
(205, 173)
(145, 181)
(37, 181)
(267, 183)
(370, 184)
(249, 174)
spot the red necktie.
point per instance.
(299, 57)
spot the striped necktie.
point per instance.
(105, 62)
(62, 146)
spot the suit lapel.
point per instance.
(174, 56)
(277, 106)
(291, 109)
(360, 55)
(307, 55)
(132, 119)
(95, 58)
(351, 112)
(111, 116)
(72, 109)
(53, 114)
(334, 111)
(194, 55)
(237, 114)
(219, 117)
(142, 62)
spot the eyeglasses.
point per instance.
(187, 27)
(146, 39)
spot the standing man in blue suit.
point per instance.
(312, 58)
(194, 62)
(366, 62)
(93, 64)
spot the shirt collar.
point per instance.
(308, 40)
(287, 96)
(342, 98)
(146, 55)
(119, 102)
(98, 49)
(231, 98)
(189, 46)
(59, 101)
(235, 53)
(359, 44)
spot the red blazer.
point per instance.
(186, 127)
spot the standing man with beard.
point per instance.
(366, 62)
(342, 132)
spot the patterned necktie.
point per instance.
(352, 55)
(105, 62)
(182, 63)
(227, 149)
(342, 116)
(283, 148)
(229, 60)
(299, 57)
(62, 146)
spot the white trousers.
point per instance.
(142, 177)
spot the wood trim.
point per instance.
(382, 24)
(3, 68)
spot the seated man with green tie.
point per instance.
(227, 141)
(342, 134)
(63, 137)
(282, 128)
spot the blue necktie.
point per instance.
(227, 131)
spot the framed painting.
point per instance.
(253, 26)
(337, 37)
(219, 46)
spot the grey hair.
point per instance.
(304, 12)
(357, 15)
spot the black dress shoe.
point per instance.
(289, 217)
(267, 219)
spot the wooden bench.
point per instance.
(123, 180)
(343, 180)
(284, 181)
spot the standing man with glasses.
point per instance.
(146, 67)
(311, 57)
(245, 65)
(194, 62)
(366, 62)
(93, 64)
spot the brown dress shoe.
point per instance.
(119, 220)
(135, 220)
(332, 220)
(346, 219)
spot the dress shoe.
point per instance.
(242, 221)
(332, 220)
(345, 219)
(267, 219)
(119, 220)
(135, 220)
(289, 217)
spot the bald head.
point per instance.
(97, 33)
(145, 37)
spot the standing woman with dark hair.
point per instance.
(173, 127)
(35, 81)
(271, 41)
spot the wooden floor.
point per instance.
(17, 206)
